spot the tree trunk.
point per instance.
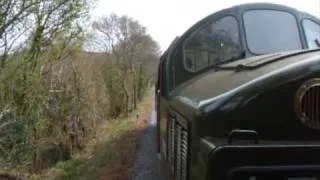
(127, 94)
(134, 91)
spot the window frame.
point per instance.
(304, 31)
(269, 9)
(202, 27)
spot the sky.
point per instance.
(166, 19)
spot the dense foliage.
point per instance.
(52, 94)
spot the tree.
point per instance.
(36, 37)
(129, 45)
(13, 16)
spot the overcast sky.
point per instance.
(165, 19)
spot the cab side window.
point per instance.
(215, 43)
(312, 33)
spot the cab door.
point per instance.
(158, 91)
(162, 90)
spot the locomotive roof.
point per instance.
(204, 88)
(239, 10)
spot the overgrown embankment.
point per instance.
(111, 153)
(54, 96)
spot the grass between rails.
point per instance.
(111, 153)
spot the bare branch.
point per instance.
(17, 16)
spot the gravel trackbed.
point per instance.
(146, 165)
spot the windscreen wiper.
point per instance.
(236, 57)
(263, 61)
(216, 66)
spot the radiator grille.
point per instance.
(184, 154)
(178, 149)
(308, 103)
(171, 141)
(178, 152)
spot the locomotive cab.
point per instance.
(238, 96)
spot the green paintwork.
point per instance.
(255, 93)
(215, 83)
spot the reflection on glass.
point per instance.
(312, 32)
(212, 44)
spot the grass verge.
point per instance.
(110, 154)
